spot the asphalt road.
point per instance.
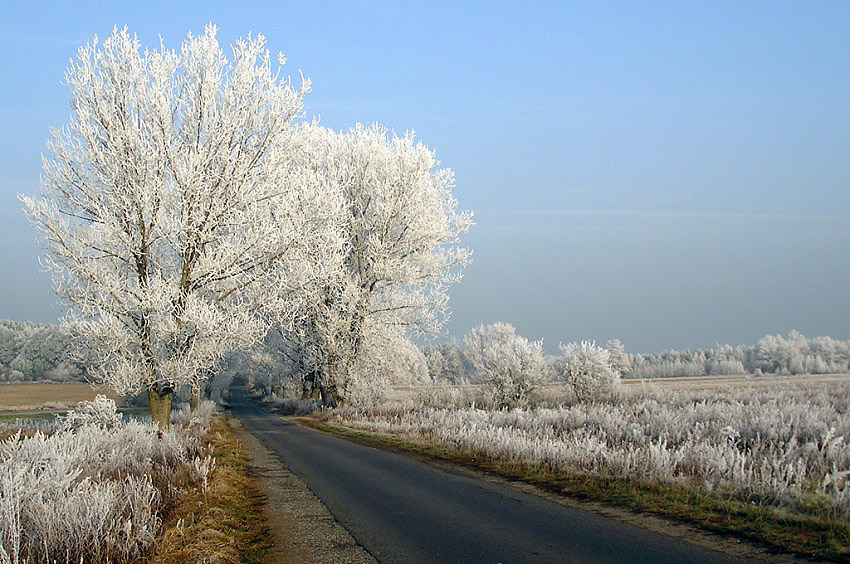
(401, 509)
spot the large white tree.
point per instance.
(171, 203)
(397, 254)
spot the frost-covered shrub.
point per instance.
(365, 391)
(101, 413)
(27, 426)
(512, 366)
(293, 406)
(588, 371)
(184, 416)
(446, 363)
(94, 490)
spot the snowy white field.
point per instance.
(784, 444)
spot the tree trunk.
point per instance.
(326, 397)
(195, 401)
(330, 397)
(160, 406)
(326, 383)
(310, 386)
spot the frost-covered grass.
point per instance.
(96, 487)
(291, 406)
(780, 447)
(26, 426)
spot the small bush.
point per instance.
(100, 413)
(512, 366)
(588, 371)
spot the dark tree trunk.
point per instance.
(195, 401)
(160, 406)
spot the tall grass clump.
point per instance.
(96, 487)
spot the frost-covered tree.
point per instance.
(510, 365)
(446, 363)
(587, 369)
(170, 205)
(396, 255)
(617, 356)
(390, 360)
(796, 354)
(39, 352)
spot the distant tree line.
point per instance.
(772, 354)
(32, 351)
(35, 351)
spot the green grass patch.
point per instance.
(806, 532)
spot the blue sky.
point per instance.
(672, 175)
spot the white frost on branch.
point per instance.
(171, 205)
(588, 371)
(512, 366)
(397, 232)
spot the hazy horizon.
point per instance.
(675, 177)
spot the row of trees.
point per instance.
(186, 212)
(32, 351)
(513, 368)
(773, 354)
(448, 362)
(510, 367)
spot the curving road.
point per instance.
(404, 510)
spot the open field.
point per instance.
(554, 390)
(736, 381)
(17, 397)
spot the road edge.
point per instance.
(303, 528)
(727, 544)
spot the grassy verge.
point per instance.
(223, 524)
(806, 533)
